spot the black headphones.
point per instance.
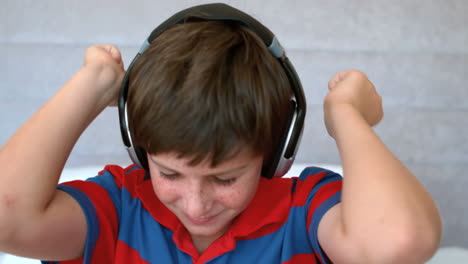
(289, 143)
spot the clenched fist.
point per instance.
(352, 89)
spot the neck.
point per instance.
(202, 243)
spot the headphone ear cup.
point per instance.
(276, 165)
(138, 156)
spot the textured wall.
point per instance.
(416, 53)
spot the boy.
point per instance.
(207, 104)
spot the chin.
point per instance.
(206, 231)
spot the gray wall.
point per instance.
(416, 53)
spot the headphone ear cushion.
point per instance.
(141, 156)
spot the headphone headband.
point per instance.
(288, 146)
(214, 12)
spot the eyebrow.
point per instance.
(159, 164)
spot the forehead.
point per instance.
(174, 161)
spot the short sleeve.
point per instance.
(99, 198)
(323, 192)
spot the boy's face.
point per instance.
(206, 200)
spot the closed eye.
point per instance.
(225, 181)
(169, 176)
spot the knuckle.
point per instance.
(358, 74)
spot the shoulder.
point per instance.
(313, 171)
(107, 186)
(121, 174)
(316, 189)
(127, 177)
(314, 178)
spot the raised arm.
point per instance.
(36, 220)
(386, 215)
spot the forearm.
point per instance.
(384, 206)
(33, 158)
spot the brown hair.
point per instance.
(207, 90)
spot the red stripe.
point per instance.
(303, 188)
(127, 255)
(104, 250)
(323, 194)
(74, 261)
(301, 259)
(124, 178)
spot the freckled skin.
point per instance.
(8, 201)
(205, 206)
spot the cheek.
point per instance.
(165, 191)
(239, 197)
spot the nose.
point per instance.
(198, 201)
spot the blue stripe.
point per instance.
(324, 181)
(132, 169)
(280, 246)
(141, 232)
(297, 240)
(91, 220)
(293, 185)
(311, 172)
(316, 170)
(106, 181)
(316, 217)
(265, 249)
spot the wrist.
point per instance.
(103, 76)
(101, 82)
(339, 114)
